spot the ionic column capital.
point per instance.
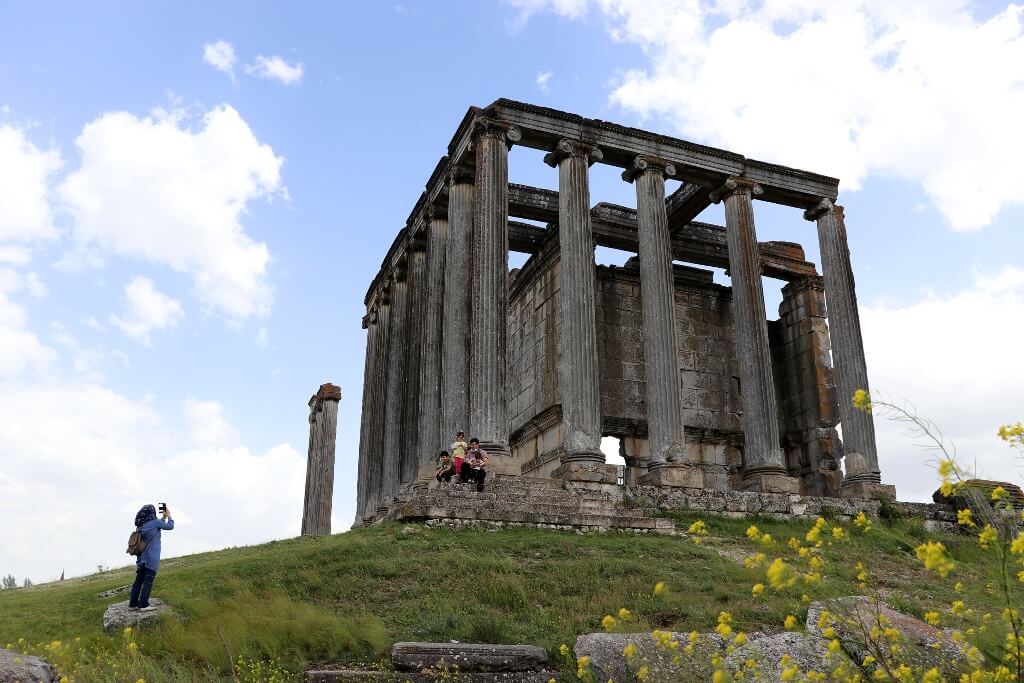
(820, 209)
(644, 164)
(573, 148)
(483, 127)
(736, 185)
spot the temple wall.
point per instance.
(708, 372)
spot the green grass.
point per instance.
(345, 598)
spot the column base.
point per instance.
(770, 482)
(496, 450)
(582, 470)
(868, 490)
(676, 476)
(382, 510)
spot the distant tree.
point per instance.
(10, 581)
(27, 583)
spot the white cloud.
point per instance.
(25, 176)
(207, 426)
(20, 348)
(276, 68)
(77, 475)
(955, 357)
(146, 310)
(221, 56)
(155, 188)
(848, 89)
(544, 81)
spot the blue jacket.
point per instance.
(151, 535)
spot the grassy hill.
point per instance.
(348, 597)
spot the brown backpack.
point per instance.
(135, 543)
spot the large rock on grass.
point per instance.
(467, 657)
(927, 645)
(24, 668)
(118, 616)
(806, 652)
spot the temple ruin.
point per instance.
(700, 388)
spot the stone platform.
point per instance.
(550, 503)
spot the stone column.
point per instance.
(323, 432)
(393, 436)
(455, 334)
(376, 424)
(366, 442)
(431, 437)
(764, 468)
(578, 372)
(667, 464)
(417, 288)
(863, 475)
(488, 275)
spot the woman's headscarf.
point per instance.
(146, 514)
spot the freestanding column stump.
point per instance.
(323, 431)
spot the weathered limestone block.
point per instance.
(927, 646)
(467, 657)
(365, 676)
(806, 651)
(15, 666)
(118, 616)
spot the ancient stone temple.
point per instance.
(700, 388)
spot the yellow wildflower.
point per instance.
(998, 493)
(564, 649)
(965, 517)
(641, 673)
(1017, 546)
(660, 588)
(758, 589)
(862, 400)
(629, 651)
(753, 533)
(699, 528)
(789, 673)
(933, 555)
(624, 613)
(932, 618)
(958, 587)
(766, 539)
(790, 622)
(740, 639)
(957, 607)
(838, 533)
(987, 536)
(780, 575)
(863, 521)
(608, 623)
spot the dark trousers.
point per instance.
(446, 474)
(471, 475)
(143, 584)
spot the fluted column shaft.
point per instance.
(851, 372)
(366, 439)
(665, 427)
(377, 424)
(394, 396)
(418, 294)
(489, 287)
(455, 335)
(762, 451)
(323, 432)
(431, 437)
(578, 372)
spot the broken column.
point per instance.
(863, 475)
(581, 456)
(667, 464)
(323, 431)
(764, 468)
(489, 287)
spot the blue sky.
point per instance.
(146, 362)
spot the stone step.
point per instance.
(365, 676)
(467, 656)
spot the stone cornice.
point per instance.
(573, 148)
(644, 164)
